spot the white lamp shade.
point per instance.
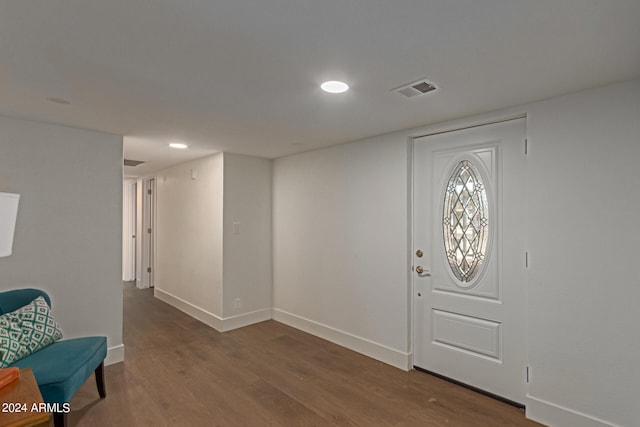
(8, 215)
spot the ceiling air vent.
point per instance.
(128, 162)
(419, 87)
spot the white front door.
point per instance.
(469, 257)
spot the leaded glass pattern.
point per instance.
(465, 221)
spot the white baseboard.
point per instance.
(361, 345)
(210, 319)
(114, 355)
(246, 319)
(196, 312)
(554, 415)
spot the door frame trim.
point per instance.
(471, 126)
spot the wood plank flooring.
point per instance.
(180, 372)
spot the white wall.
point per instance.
(340, 250)
(247, 251)
(68, 238)
(202, 266)
(340, 245)
(189, 237)
(584, 242)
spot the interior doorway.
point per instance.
(129, 225)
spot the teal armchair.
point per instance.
(61, 368)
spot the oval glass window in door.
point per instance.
(465, 222)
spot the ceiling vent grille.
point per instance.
(419, 87)
(128, 162)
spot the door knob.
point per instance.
(421, 271)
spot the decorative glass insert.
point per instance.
(465, 221)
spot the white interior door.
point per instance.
(129, 231)
(469, 257)
(148, 233)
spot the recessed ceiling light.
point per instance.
(334, 86)
(178, 145)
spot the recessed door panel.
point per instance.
(474, 336)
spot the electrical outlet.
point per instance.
(238, 303)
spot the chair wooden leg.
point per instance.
(102, 391)
(60, 419)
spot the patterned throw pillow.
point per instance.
(27, 330)
(11, 345)
(38, 326)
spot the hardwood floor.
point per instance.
(180, 372)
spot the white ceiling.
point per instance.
(243, 75)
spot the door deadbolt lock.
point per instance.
(419, 253)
